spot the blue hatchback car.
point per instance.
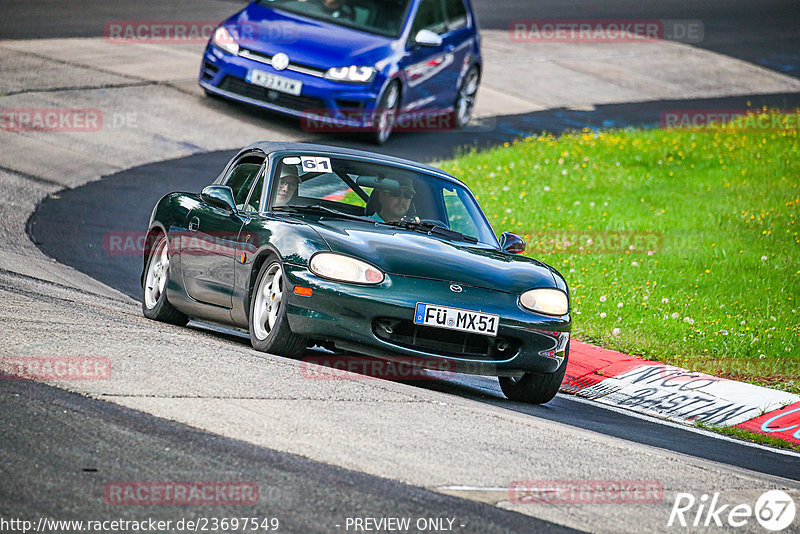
(351, 63)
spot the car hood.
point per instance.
(404, 252)
(305, 40)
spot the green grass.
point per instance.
(741, 433)
(720, 294)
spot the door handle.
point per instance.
(194, 224)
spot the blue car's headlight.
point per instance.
(547, 301)
(351, 74)
(224, 40)
(344, 268)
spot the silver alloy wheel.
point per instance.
(386, 119)
(156, 279)
(268, 302)
(466, 98)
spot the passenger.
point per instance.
(286, 186)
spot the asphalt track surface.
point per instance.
(83, 444)
(764, 32)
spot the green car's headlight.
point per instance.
(344, 268)
(352, 73)
(224, 40)
(547, 301)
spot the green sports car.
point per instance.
(307, 245)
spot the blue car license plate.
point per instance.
(456, 319)
(273, 81)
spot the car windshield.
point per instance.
(353, 188)
(382, 17)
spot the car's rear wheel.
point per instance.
(269, 326)
(386, 112)
(154, 295)
(465, 101)
(534, 388)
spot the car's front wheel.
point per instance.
(269, 326)
(154, 295)
(534, 388)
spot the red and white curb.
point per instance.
(677, 394)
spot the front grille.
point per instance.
(238, 86)
(293, 66)
(445, 342)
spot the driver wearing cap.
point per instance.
(286, 186)
(393, 203)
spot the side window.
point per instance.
(242, 177)
(430, 16)
(457, 215)
(456, 14)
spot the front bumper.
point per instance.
(321, 100)
(350, 315)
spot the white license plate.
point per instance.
(273, 81)
(456, 319)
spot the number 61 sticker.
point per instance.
(315, 164)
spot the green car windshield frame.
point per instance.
(347, 185)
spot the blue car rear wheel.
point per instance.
(386, 111)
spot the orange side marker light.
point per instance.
(303, 291)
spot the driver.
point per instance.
(393, 204)
(335, 8)
(286, 185)
(338, 9)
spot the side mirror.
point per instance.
(219, 196)
(512, 243)
(427, 38)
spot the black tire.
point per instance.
(467, 92)
(158, 308)
(388, 106)
(279, 339)
(534, 388)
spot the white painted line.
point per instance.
(470, 488)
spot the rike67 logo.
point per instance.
(774, 510)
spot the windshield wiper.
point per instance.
(325, 209)
(432, 228)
